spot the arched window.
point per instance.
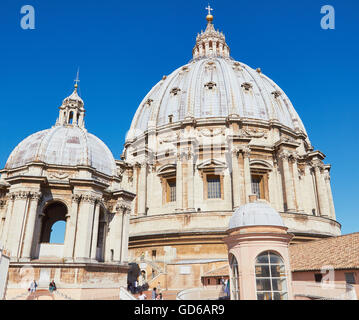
(271, 280)
(101, 237)
(52, 231)
(234, 277)
(58, 232)
(71, 117)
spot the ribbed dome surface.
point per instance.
(212, 87)
(64, 145)
(257, 213)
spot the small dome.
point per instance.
(66, 146)
(258, 213)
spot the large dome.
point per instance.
(67, 143)
(213, 85)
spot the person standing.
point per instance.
(154, 293)
(142, 296)
(52, 286)
(136, 286)
(33, 286)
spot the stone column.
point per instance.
(151, 185)
(309, 191)
(30, 226)
(84, 228)
(190, 182)
(17, 223)
(235, 179)
(8, 217)
(117, 233)
(247, 171)
(3, 202)
(95, 231)
(126, 210)
(142, 189)
(321, 189)
(179, 184)
(71, 226)
(288, 181)
(298, 197)
(330, 195)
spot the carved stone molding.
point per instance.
(210, 65)
(284, 155)
(20, 195)
(123, 207)
(89, 198)
(61, 175)
(253, 133)
(247, 86)
(210, 85)
(76, 198)
(211, 132)
(172, 137)
(35, 196)
(327, 176)
(174, 91)
(237, 66)
(317, 164)
(235, 151)
(246, 151)
(276, 94)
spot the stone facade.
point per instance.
(38, 190)
(200, 144)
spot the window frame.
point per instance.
(263, 184)
(346, 279)
(171, 190)
(282, 279)
(218, 179)
(234, 277)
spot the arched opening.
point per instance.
(101, 237)
(51, 229)
(271, 281)
(71, 117)
(58, 232)
(52, 234)
(234, 277)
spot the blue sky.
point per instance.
(124, 48)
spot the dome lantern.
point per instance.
(72, 110)
(210, 43)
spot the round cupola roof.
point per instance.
(66, 144)
(257, 213)
(213, 85)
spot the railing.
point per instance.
(200, 294)
(125, 295)
(324, 291)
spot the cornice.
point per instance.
(88, 182)
(28, 179)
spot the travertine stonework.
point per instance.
(202, 141)
(216, 118)
(65, 174)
